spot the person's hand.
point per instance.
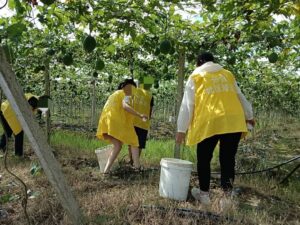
(180, 137)
(251, 122)
(144, 117)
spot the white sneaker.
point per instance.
(202, 196)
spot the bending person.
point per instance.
(116, 123)
(11, 124)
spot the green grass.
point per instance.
(154, 152)
(75, 140)
(158, 149)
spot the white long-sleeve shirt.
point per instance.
(188, 101)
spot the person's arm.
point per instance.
(247, 107)
(128, 108)
(186, 111)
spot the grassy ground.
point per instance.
(127, 197)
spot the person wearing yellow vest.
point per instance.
(143, 102)
(11, 125)
(213, 110)
(116, 123)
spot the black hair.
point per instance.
(33, 101)
(125, 82)
(204, 57)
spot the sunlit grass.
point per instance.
(75, 140)
(158, 149)
(154, 152)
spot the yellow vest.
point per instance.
(142, 100)
(117, 122)
(11, 117)
(217, 108)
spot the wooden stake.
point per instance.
(177, 151)
(180, 77)
(38, 140)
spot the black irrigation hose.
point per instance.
(268, 169)
(257, 171)
(290, 174)
(25, 198)
(261, 171)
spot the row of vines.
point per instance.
(78, 51)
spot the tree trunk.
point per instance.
(93, 103)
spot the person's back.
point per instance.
(119, 130)
(114, 120)
(10, 115)
(213, 110)
(217, 109)
(11, 124)
(142, 104)
(11, 118)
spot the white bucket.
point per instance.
(102, 156)
(175, 178)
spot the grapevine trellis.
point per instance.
(78, 112)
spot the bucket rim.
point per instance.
(173, 162)
(103, 148)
